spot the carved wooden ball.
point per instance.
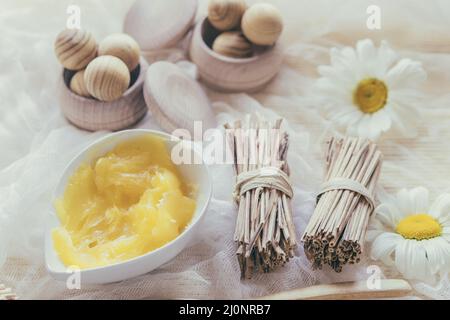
(262, 24)
(122, 46)
(75, 48)
(226, 15)
(107, 78)
(233, 44)
(78, 86)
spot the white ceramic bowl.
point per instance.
(194, 173)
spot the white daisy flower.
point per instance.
(415, 236)
(368, 90)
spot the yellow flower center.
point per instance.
(419, 227)
(370, 95)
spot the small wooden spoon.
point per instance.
(345, 291)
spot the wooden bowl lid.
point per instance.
(176, 100)
(159, 24)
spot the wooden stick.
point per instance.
(346, 291)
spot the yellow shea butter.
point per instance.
(127, 203)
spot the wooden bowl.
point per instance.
(232, 74)
(94, 115)
(195, 174)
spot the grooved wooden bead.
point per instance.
(78, 86)
(122, 46)
(233, 44)
(225, 15)
(262, 24)
(75, 48)
(107, 78)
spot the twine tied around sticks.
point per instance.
(266, 177)
(348, 184)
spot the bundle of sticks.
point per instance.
(336, 232)
(265, 231)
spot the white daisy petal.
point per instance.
(420, 266)
(328, 87)
(406, 73)
(389, 214)
(343, 79)
(383, 246)
(419, 200)
(361, 127)
(438, 254)
(367, 128)
(367, 55)
(441, 207)
(352, 130)
(445, 252)
(371, 235)
(365, 50)
(406, 114)
(380, 122)
(444, 218)
(446, 233)
(411, 260)
(406, 97)
(413, 201)
(402, 119)
(345, 58)
(403, 203)
(347, 118)
(386, 58)
(401, 257)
